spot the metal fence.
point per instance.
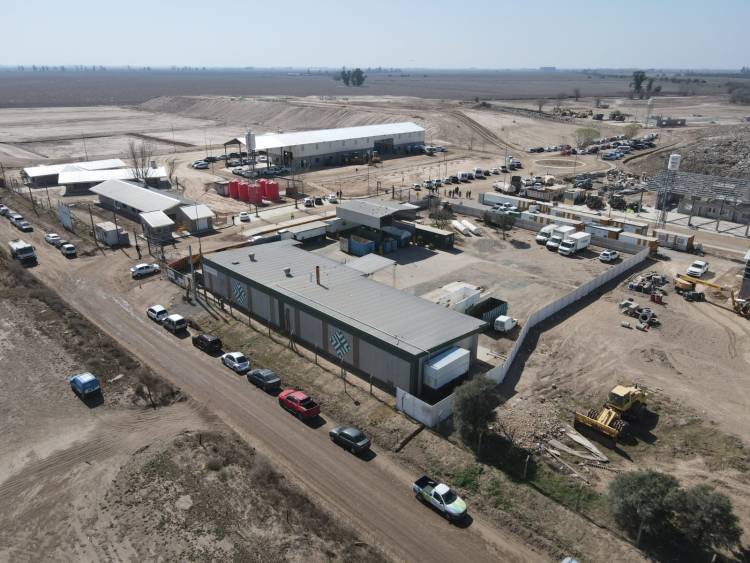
(431, 415)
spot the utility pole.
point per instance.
(192, 273)
(85, 152)
(93, 230)
(33, 203)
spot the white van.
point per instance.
(463, 176)
(175, 323)
(544, 233)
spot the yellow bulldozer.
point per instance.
(684, 282)
(624, 404)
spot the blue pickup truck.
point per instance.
(84, 384)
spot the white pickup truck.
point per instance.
(441, 497)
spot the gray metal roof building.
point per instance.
(391, 333)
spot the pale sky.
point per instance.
(389, 33)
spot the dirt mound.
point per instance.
(213, 498)
(268, 114)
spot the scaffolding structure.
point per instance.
(728, 192)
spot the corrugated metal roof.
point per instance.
(370, 263)
(134, 196)
(377, 208)
(304, 227)
(400, 319)
(91, 176)
(278, 140)
(156, 219)
(194, 212)
(51, 169)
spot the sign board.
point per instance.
(63, 213)
(340, 344)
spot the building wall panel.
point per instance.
(383, 365)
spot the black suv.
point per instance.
(207, 343)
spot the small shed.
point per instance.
(157, 226)
(196, 218)
(110, 234)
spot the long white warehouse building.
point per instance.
(331, 147)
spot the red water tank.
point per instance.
(234, 188)
(262, 184)
(272, 191)
(244, 192)
(254, 194)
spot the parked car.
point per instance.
(697, 269)
(200, 165)
(441, 497)
(175, 323)
(350, 438)
(437, 182)
(244, 216)
(84, 384)
(24, 226)
(156, 313)
(50, 238)
(495, 171)
(308, 202)
(142, 270)
(236, 361)
(3, 209)
(68, 250)
(58, 242)
(207, 343)
(609, 255)
(318, 201)
(264, 378)
(455, 180)
(211, 159)
(299, 404)
(332, 198)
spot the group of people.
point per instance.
(456, 192)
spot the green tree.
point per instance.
(346, 76)
(705, 517)
(503, 221)
(577, 93)
(631, 130)
(640, 502)
(585, 136)
(358, 77)
(474, 408)
(636, 83)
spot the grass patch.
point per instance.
(468, 478)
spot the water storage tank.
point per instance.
(254, 194)
(272, 191)
(244, 191)
(234, 188)
(262, 186)
(459, 227)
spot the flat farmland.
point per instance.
(120, 87)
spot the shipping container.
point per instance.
(488, 310)
(603, 231)
(446, 367)
(640, 241)
(671, 239)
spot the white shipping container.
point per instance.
(446, 367)
(565, 231)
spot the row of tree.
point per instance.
(354, 77)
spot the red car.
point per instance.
(299, 404)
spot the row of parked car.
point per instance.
(16, 219)
(292, 400)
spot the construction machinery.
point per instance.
(624, 404)
(686, 285)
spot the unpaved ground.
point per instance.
(695, 366)
(118, 480)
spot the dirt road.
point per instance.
(373, 495)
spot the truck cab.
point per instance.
(84, 384)
(22, 251)
(544, 233)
